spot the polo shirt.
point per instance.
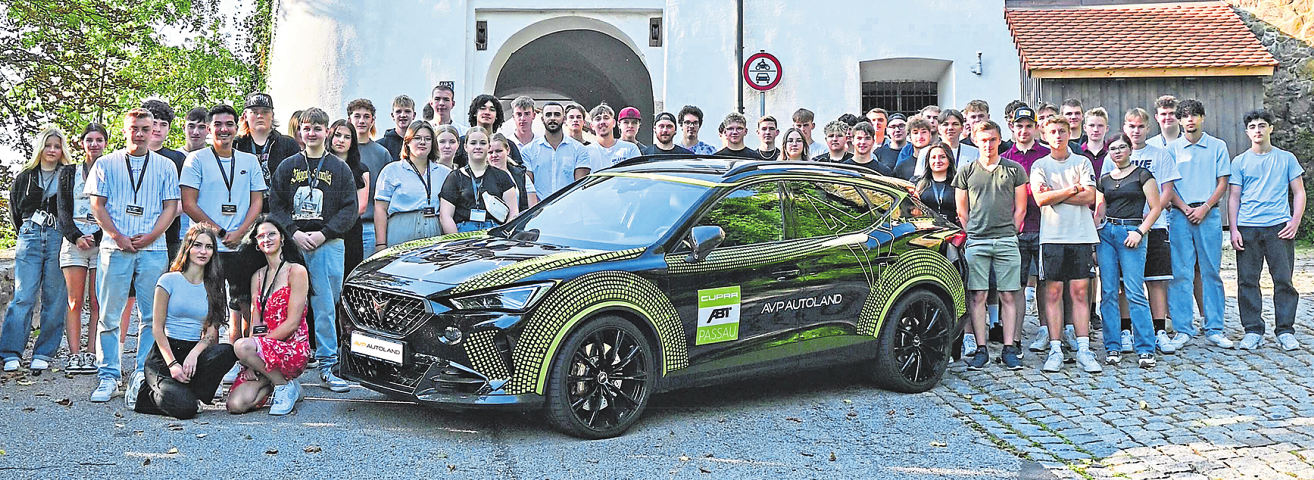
(554, 168)
(1201, 164)
(203, 173)
(112, 178)
(1264, 180)
(1032, 222)
(401, 187)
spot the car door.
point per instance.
(726, 301)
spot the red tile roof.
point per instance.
(1193, 35)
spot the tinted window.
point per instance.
(748, 215)
(609, 213)
(822, 209)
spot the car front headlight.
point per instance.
(515, 299)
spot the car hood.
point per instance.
(469, 264)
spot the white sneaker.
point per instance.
(105, 390)
(1070, 338)
(1088, 362)
(1180, 340)
(134, 387)
(285, 397)
(333, 383)
(1219, 340)
(969, 345)
(231, 376)
(1042, 340)
(1128, 346)
(38, 366)
(1288, 342)
(11, 364)
(1251, 341)
(1164, 342)
(1054, 362)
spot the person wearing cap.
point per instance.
(1025, 151)
(630, 120)
(608, 150)
(663, 137)
(258, 135)
(732, 130)
(896, 137)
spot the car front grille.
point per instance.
(384, 312)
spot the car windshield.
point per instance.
(608, 213)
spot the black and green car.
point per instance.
(659, 274)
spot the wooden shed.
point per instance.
(1119, 56)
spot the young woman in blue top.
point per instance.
(406, 197)
(187, 361)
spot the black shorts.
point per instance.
(1158, 256)
(1066, 261)
(1028, 245)
(239, 289)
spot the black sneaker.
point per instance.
(1012, 357)
(978, 360)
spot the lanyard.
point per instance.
(232, 171)
(427, 180)
(53, 176)
(136, 187)
(939, 194)
(262, 149)
(313, 179)
(478, 200)
(266, 290)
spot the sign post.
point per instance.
(762, 72)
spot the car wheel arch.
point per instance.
(919, 268)
(630, 314)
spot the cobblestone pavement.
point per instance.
(1202, 413)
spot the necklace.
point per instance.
(1117, 182)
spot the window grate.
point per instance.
(906, 96)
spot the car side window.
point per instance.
(749, 215)
(900, 209)
(816, 209)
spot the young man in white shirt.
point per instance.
(442, 100)
(608, 150)
(134, 198)
(1165, 113)
(804, 121)
(576, 117)
(522, 113)
(555, 160)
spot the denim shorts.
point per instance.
(998, 254)
(72, 256)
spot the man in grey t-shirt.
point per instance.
(373, 157)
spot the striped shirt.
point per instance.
(112, 178)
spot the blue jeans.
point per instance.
(471, 226)
(113, 276)
(36, 269)
(367, 235)
(1126, 266)
(1191, 243)
(325, 266)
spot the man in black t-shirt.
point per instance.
(663, 137)
(163, 122)
(864, 139)
(767, 132)
(732, 130)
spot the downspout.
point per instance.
(739, 53)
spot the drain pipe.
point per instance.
(739, 53)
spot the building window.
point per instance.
(902, 96)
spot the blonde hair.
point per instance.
(1097, 112)
(39, 147)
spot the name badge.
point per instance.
(259, 330)
(228, 209)
(90, 217)
(135, 210)
(428, 212)
(478, 215)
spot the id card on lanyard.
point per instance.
(426, 180)
(477, 214)
(135, 209)
(229, 177)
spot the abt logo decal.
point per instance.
(718, 315)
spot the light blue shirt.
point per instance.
(1265, 181)
(201, 172)
(702, 148)
(404, 191)
(554, 169)
(1160, 163)
(188, 304)
(1201, 164)
(601, 157)
(112, 178)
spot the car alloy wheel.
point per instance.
(914, 344)
(601, 379)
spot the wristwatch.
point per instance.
(223, 233)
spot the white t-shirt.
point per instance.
(1065, 222)
(226, 206)
(601, 157)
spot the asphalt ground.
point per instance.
(819, 424)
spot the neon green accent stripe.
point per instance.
(541, 385)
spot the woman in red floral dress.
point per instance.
(277, 350)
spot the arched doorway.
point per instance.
(584, 66)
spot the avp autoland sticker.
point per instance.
(718, 315)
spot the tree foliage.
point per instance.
(69, 62)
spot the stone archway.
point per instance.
(586, 66)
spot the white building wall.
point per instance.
(327, 52)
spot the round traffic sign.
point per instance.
(762, 71)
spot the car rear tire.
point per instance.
(915, 343)
(601, 379)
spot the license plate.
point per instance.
(377, 348)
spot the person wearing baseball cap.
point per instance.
(258, 135)
(663, 137)
(630, 120)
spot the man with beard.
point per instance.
(555, 160)
(663, 137)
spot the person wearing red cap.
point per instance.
(630, 120)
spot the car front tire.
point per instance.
(601, 379)
(915, 343)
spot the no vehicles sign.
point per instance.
(762, 71)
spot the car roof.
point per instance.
(730, 170)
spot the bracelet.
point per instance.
(175, 362)
(380, 244)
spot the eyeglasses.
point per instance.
(686, 122)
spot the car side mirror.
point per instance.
(704, 239)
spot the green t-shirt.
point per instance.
(990, 197)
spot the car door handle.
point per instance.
(786, 274)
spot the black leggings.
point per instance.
(162, 395)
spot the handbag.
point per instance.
(495, 207)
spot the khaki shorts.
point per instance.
(72, 256)
(998, 254)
